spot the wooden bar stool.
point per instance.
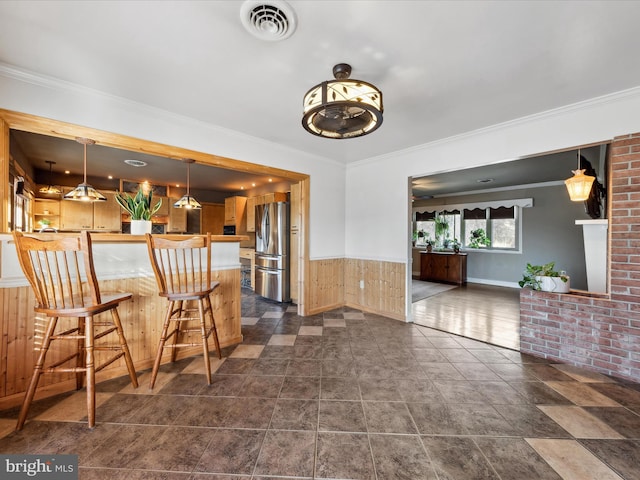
(182, 266)
(61, 273)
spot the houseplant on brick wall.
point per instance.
(545, 278)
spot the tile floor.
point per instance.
(347, 395)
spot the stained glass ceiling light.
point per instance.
(50, 189)
(85, 192)
(187, 201)
(579, 186)
(342, 108)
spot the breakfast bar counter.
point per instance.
(122, 265)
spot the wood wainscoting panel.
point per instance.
(141, 320)
(326, 285)
(383, 285)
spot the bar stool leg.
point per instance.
(213, 327)
(80, 359)
(125, 348)
(91, 373)
(205, 343)
(37, 371)
(177, 314)
(163, 340)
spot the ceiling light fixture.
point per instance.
(50, 189)
(579, 186)
(187, 201)
(85, 192)
(342, 108)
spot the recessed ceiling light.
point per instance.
(485, 180)
(67, 172)
(136, 163)
(110, 177)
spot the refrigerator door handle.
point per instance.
(266, 233)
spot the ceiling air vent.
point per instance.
(270, 21)
(136, 163)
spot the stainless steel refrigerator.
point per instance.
(272, 251)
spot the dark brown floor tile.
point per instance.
(275, 366)
(622, 420)
(184, 384)
(307, 351)
(223, 385)
(499, 393)
(286, 329)
(512, 372)
(435, 419)
(400, 457)
(277, 351)
(441, 371)
(488, 355)
(285, 453)
(339, 368)
(375, 371)
(388, 417)
(379, 389)
(261, 386)
(295, 415)
(159, 410)
(332, 388)
(623, 395)
(250, 413)
(445, 341)
(339, 416)
(529, 421)
(546, 373)
(232, 451)
(482, 419)
(540, 393)
(153, 448)
(478, 371)
(304, 368)
(620, 455)
(121, 408)
(344, 455)
(110, 474)
(458, 392)
(300, 387)
(418, 390)
(203, 411)
(342, 352)
(236, 366)
(458, 458)
(514, 459)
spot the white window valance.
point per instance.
(514, 202)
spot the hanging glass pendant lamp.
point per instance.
(579, 186)
(50, 189)
(187, 201)
(85, 192)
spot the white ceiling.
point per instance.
(444, 67)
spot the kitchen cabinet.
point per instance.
(45, 209)
(443, 267)
(212, 218)
(107, 216)
(165, 207)
(177, 218)
(251, 214)
(234, 212)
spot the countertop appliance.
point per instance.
(272, 251)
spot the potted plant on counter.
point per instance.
(140, 209)
(545, 278)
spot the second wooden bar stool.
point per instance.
(182, 266)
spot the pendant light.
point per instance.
(579, 186)
(85, 192)
(50, 189)
(187, 201)
(342, 108)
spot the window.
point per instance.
(499, 222)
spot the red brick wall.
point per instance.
(599, 332)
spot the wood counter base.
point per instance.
(141, 316)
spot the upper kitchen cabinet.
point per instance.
(234, 212)
(100, 216)
(251, 214)
(107, 216)
(177, 218)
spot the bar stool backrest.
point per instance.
(181, 265)
(57, 268)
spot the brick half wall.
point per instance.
(599, 332)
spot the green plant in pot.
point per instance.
(478, 238)
(441, 229)
(140, 208)
(545, 278)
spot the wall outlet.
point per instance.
(361, 284)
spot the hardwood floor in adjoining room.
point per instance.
(481, 312)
